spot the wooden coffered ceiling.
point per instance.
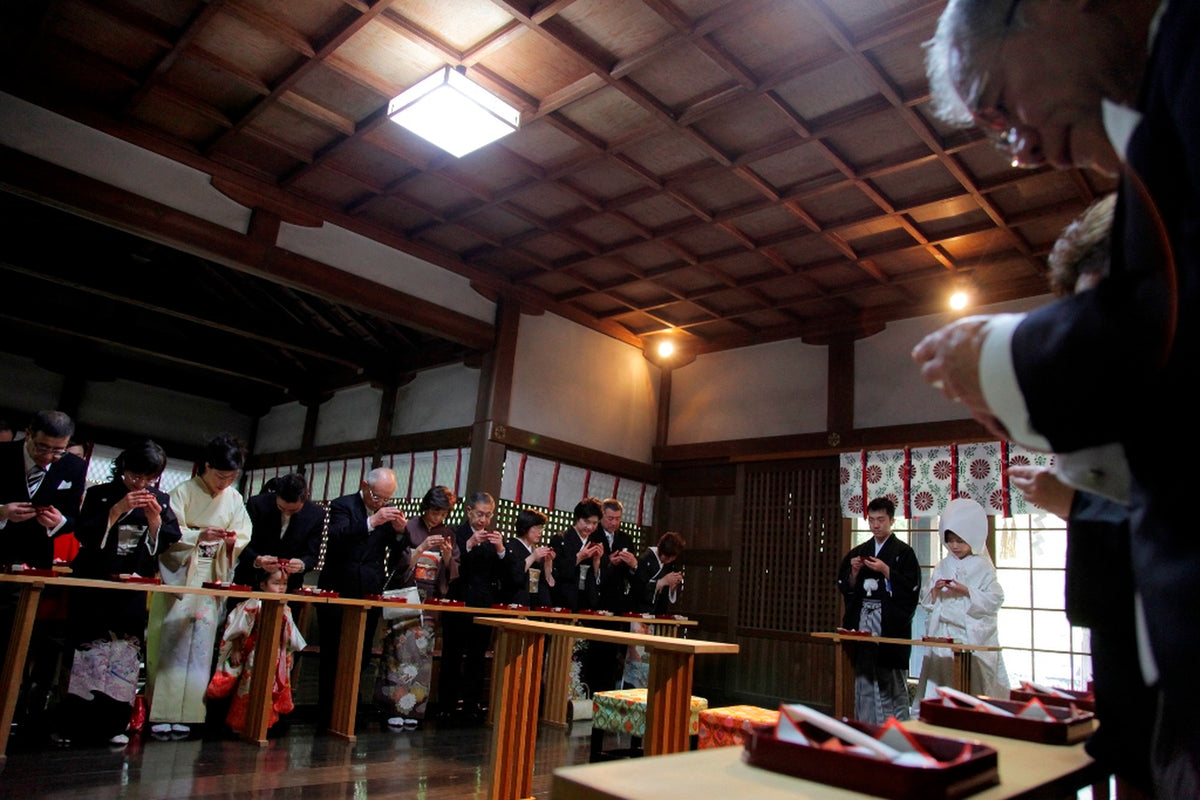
(737, 171)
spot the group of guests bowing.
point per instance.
(372, 547)
(197, 647)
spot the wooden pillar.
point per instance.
(383, 426)
(494, 402)
(839, 414)
(663, 426)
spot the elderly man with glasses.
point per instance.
(365, 529)
(41, 487)
(1110, 85)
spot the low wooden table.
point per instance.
(843, 680)
(349, 648)
(517, 675)
(1026, 770)
(557, 686)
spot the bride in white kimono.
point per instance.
(963, 600)
(183, 628)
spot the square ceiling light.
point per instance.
(453, 112)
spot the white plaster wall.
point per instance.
(773, 389)
(37, 132)
(358, 255)
(437, 399)
(159, 413)
(281, 428)
(575, 384)
(26, 388)
(888, 389)
(134, 408)
(350, 415)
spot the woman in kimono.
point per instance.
(655, 586)
(429, 559)
(183, 627)
(123, 526)
(528, 574)
(237, 650)
(963, 600)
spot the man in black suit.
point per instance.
(464, 644)
(880, 581)
(366, 534)
(41, 488)
(1108, 86)
(287, 532)
(614, 592)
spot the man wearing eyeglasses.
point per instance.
(465, 644)
(364, 528)
(41, 486)
(1109, 85)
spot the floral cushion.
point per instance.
(728, 725)
(624, 711)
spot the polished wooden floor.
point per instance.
(432, 763)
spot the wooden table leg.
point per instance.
(558, 681)
(668, 702)
(843, 679)
(14, 659)
(962, 671)
(262, 682)
(517, 674)
(349, 670)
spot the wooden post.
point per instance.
(518, 668)
(14, 659)
(266, 658)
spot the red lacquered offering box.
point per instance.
(308, 591)
(1084, 701)
(849, 632)
(1058, 731)
(857, 773)
(153, 581)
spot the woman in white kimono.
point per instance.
(963, 600)
(183, 628)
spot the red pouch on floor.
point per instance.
(137, 718)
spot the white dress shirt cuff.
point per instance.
(998, 381)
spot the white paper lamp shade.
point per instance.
(454, 113)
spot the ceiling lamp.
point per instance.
(453, 112)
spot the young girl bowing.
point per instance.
(963, 600)
(238, 648)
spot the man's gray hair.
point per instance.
(965, 29)
(378, 474)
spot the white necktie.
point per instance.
(34, 479)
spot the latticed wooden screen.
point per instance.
(791, 547)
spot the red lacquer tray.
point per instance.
(966, 773)
(1084, 701)
(1059, 731)
(225, 585)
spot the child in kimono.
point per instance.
(237, 655)
(963, 600)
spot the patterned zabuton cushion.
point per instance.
(728, 725)
(624, 711)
